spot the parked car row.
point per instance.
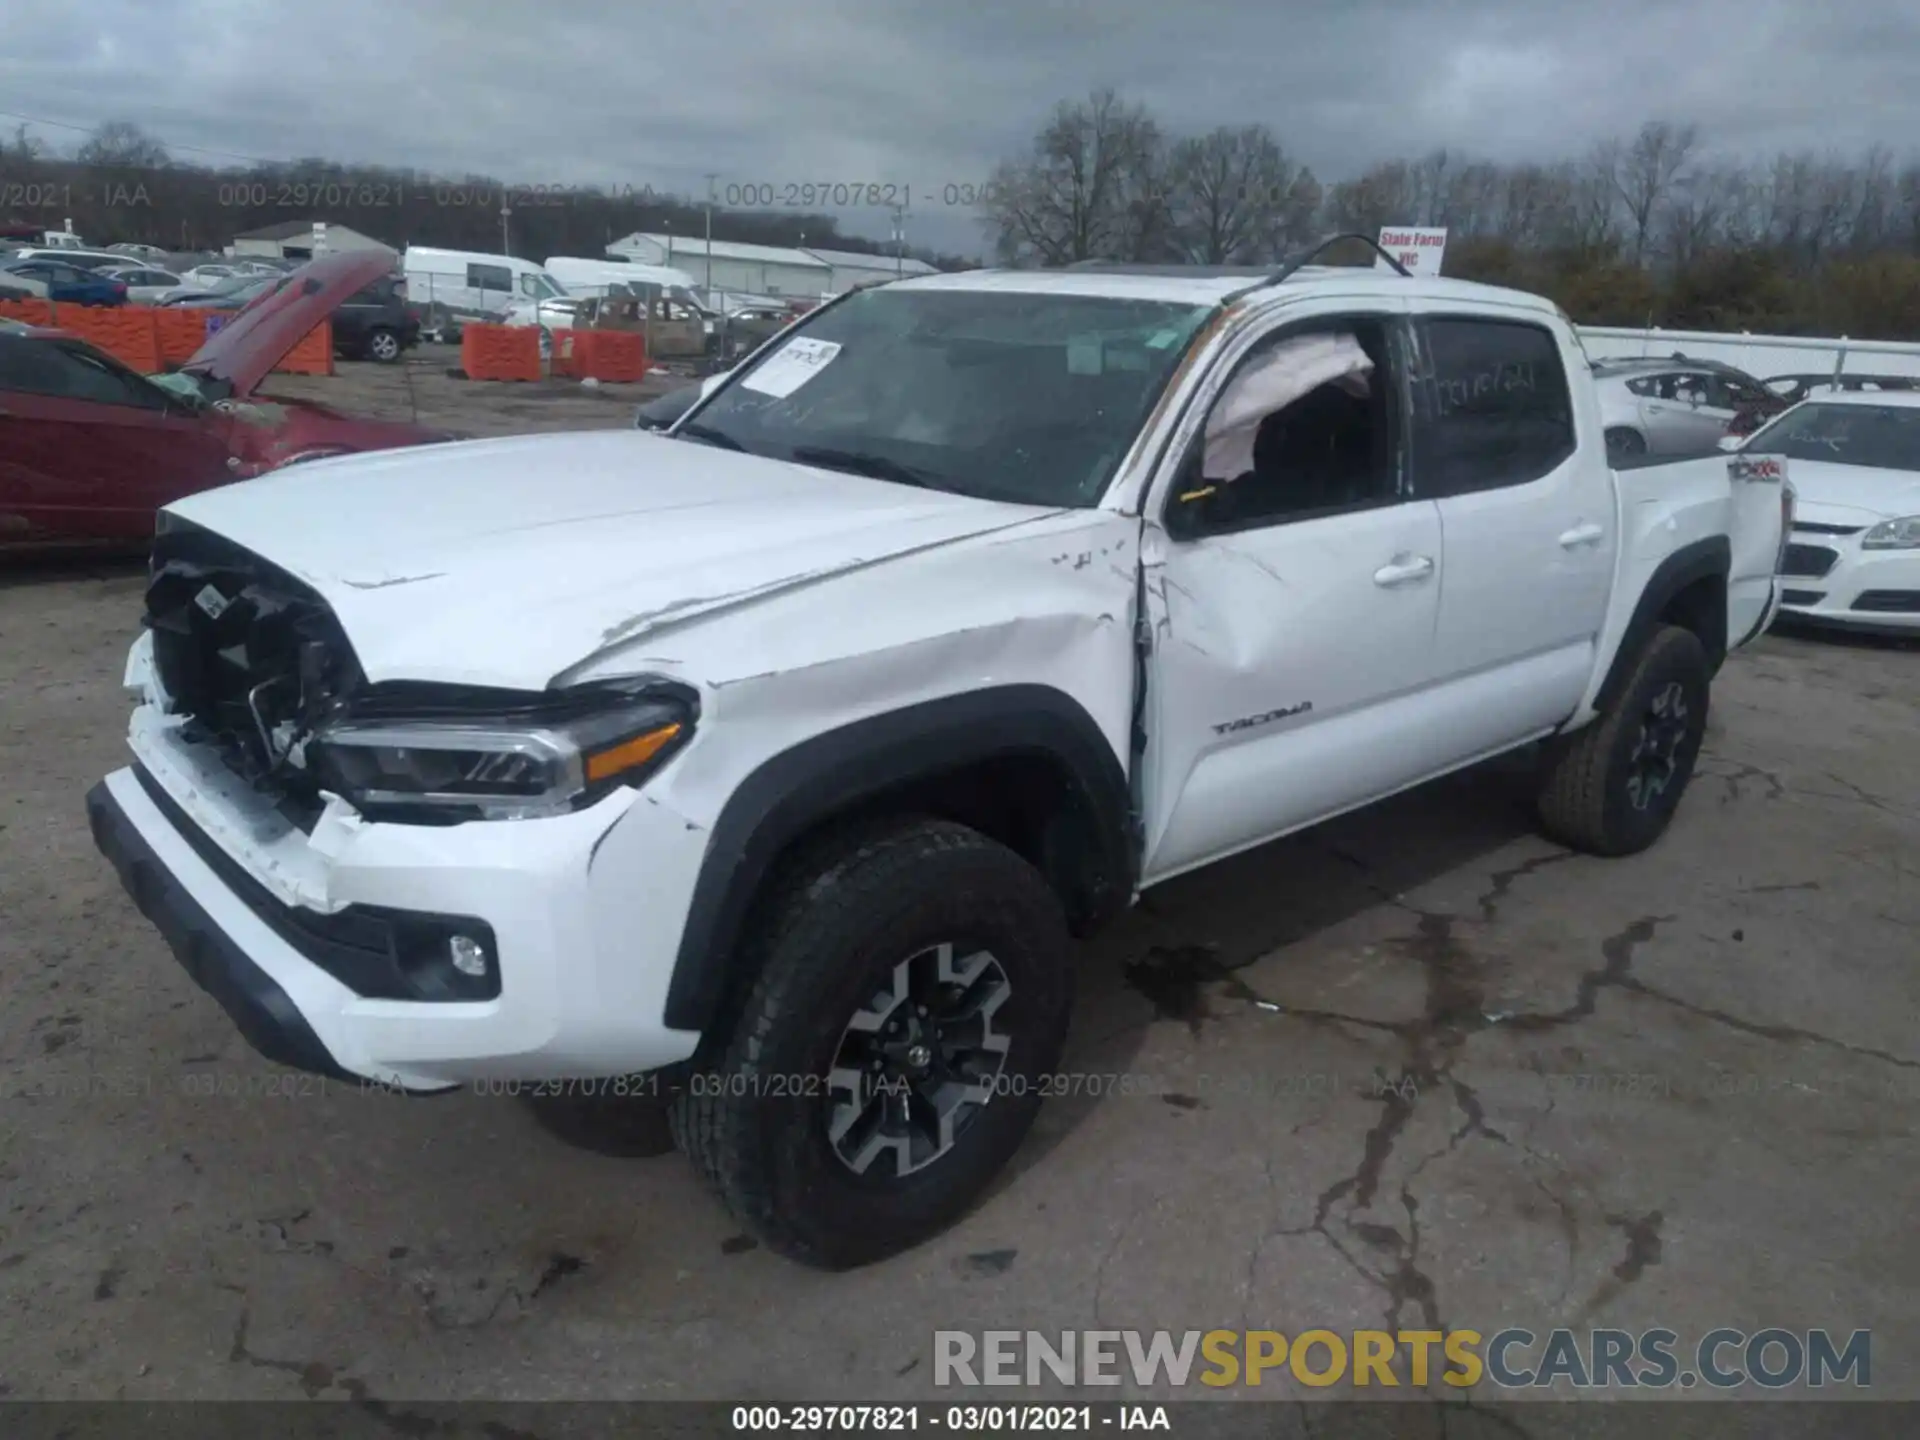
(90, 449)
(375, 323)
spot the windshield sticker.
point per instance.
(1083, 355)
(1161, 339)
(797, 362)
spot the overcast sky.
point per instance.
(790, 91)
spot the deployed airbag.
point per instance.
(1292, 369)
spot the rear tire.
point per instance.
(911, 924)
(1611, 787)
(1623, 443)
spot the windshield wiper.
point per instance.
(697, 431)
(861, 462)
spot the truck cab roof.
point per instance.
(1200, 285)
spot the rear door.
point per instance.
(89, 451)
(1527, 517)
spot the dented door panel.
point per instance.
(1280, 660)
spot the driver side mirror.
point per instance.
(1731, 443)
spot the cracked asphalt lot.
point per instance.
(1417, 1067)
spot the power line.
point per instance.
(190, 149)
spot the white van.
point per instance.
(472, 282)
(591, 278)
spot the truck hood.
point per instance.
(507, 562)
(1829, 494)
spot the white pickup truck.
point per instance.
(770, 763)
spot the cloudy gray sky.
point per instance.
(776, 91)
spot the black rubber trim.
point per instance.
(264, 1013)
(1888, 602)
(1703, 559)
(838, 770)
(374, 951)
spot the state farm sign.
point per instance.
(1419, 248)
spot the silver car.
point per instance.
(1677, 406)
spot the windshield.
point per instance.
(540, 287)
(1032, 398)
(1882, 437)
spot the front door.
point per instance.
(1293, 587)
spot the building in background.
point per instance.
(850, 267)
(294, 240)
(751, 269)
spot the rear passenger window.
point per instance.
(1491, 406)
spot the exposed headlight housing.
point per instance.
(1901, 534)
(432, 754)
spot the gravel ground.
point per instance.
(1417, 1066)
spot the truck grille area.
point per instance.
(253, 658)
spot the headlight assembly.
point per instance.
(1901, 534)
(426, 754)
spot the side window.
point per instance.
(22, 366)
(1643, 386)
(1690, 387)
(43, 367)
(1308, 425)
(81, 376)
(490, 277)
(1491, 406)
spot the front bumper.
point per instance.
(263, 1011)
(584, 911)
(1861, 589)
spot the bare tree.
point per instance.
(1235, 195)
(23, 149)
(1532, 206)
(123, 144)
(1645, 174)
(1386, 194)
(1709, 208)
(1093, 188)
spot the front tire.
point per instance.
(383, 346)
(1611, 788)
(911, 987)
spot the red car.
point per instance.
(90, 449)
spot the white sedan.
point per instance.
(1854, 556)
(145, 284)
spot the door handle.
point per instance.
(1579, 535)
(1403, 570)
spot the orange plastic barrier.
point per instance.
(28, 312)
(616, 356)
(312, 356)
(124, 331)
(500, 352)
(179, 332)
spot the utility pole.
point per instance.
(506, 243)
(712, 175)
(899, 239)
